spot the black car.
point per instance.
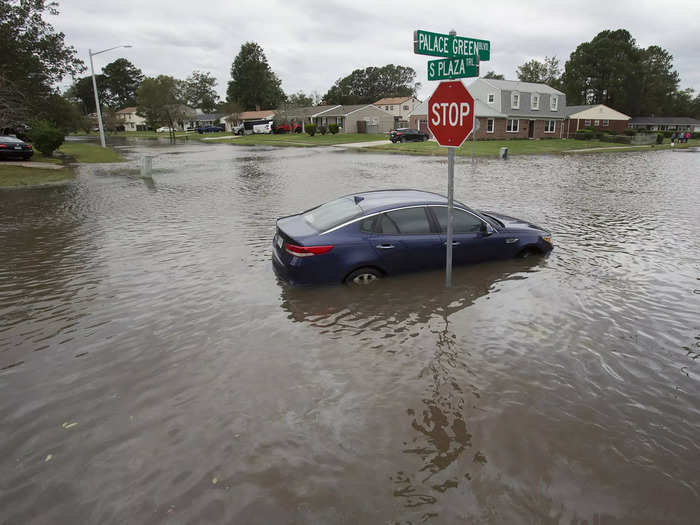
(12, 148)
(406, 135)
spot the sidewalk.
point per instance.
(362, 144)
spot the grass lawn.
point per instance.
(490, 148)
(89, 153)
(302, 139)
(19, 177)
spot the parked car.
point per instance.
(406, 135)
(165, 129)
(263, 127)
(288, 128)
(209, 129)
(359, 238)
(12, 148)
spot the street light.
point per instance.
(94, 87)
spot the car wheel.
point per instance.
(363, 277)
(529, 251)
(403, 140)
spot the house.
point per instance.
(128, 120)
(597, 116)
(664, 124)
(491, 123)
(248, 116)
(358, 118)
(197, 119)
(519, 109)
(399, 107)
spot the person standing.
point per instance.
(687, 136)
(673, 139)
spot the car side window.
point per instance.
(366, 225)
(386, 225)
(464, 222)
(409, 221)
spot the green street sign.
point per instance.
(441, 45)
(452, 68)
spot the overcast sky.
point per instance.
(310, 44)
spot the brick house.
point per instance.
(128, 120)
(597, 116)
(665, 124)
(399, 107)
(518, 109)
(492, 124)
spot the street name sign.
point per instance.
(442, 45)
(451, 113)
(452, 68)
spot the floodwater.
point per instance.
(153, 370)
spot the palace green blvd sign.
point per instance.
(452, 68)
(442, 45)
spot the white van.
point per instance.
(262, 127)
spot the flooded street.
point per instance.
(153, 370)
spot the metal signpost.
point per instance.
(451, 112)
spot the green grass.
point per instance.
(20, 177)
(490, 148)
(303, 139)
(89, 153)
(39, 157)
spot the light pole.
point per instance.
(94, 87)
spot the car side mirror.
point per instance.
(487, 229)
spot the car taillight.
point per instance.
(3, 145)
(306, 251)
(399, 133)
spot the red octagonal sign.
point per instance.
(451, 113)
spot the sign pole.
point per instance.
(450, 213)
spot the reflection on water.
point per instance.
(145, 311)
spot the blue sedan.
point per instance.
(359, 238)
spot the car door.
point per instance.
(472, 242)
(405, 241)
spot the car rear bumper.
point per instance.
(15, 153)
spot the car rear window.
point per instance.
(10, 139)
(333, 213)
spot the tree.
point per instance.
(121, 80)
(62, 114)
(159, 100)
(82, 93)
(199, 91)
(34, 56)
(493, 75)
(364, 86)
(253, 84)
(611, 69)
(300, 100)
(547, 72)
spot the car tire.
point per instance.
(403, 140)
(363, 277)
(528, 251)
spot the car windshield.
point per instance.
(333, 213)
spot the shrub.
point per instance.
(322, 130)
(584, 134)
(659, 138)
(45, 137)
(630, 132)
(333, 128)
(695, 135)
(310, 129)
(622, 139)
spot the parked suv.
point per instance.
(407, 134)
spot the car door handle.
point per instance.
(454, 243)
(385, 246)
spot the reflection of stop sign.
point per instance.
(451, 113)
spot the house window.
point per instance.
(586, 123)
(549, 126)
(405, 108)
(512, 125)
(596, 123)
(489, 125)
(605, 123)
(492, 98)
(386, 107)
(391, 108)
(515, 100)
(535, 101)
(554, 102)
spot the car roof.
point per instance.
(374, 201)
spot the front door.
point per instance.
(531, 129)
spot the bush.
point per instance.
(322, 130)
(333, 128)
(659, 138)
(695, 135)
(45, 137)
(622, 139)
(630, 132)
(584, 134)
(310, 129)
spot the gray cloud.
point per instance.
(310, 44)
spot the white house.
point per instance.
(399, 107)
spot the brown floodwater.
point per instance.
(153, 370)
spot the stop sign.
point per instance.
(451, 113)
